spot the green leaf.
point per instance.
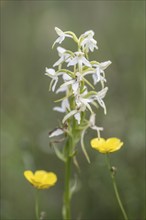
(76, 163)
(74, 186)
(59, 154)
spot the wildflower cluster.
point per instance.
(80, 95)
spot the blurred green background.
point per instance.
(27, 34)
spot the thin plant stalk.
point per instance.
(67, 194)
(112, 174)
(37, 204)
(67, 212)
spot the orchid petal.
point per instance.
(77, 116)
(105, 64)
(73, 61)
(86, 62)
(58, 62)
(54, 86)
(69, 115)
(56, 132)
(75, 86)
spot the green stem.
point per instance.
(37, 204)
(66, 207)
(67, 189)
(115, 188)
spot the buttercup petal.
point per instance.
(29, 175)
(113, 144)
(98, 143)
(49, 179)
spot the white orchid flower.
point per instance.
(52, 74)
(99, 97)
(66, 77)
(99, 74)
(81, 105)
(76, 113)
(75, 83)
(63, 87)
(79, 59)
(64, 106)
(64, 56)
(61, 37)
(56, 132)
(88, 43)
(82, 102)
(86, 34)
(93, 126)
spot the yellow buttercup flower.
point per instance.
(41, 179)
(106, 146)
